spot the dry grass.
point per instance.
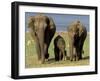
(31, 56)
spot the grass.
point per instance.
(31, 55)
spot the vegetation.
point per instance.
(31, 55)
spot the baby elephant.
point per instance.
(59, 48)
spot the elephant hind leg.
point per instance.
(47, 55)
(77, 57)
(56, 52)
(71, 54)
(59, 55)
(81, 50)
(49, 33)
(46, 51)
(64, 55)
(71, 58)
(75, 54)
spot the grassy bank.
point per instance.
(31, 55)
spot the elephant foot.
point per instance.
(56, 59)
(77, 59)
(64, 59)
(46, 60)
(71, 59)
(80, 58)
(47, 56)
(38, 57)
(41, 61)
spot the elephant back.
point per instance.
(77, 27)
(59, 42)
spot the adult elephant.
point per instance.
(77, 34)
(42, 29)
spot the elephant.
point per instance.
(42, 29)
(59, 48)
(76, 34)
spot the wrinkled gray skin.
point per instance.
(77, 34)
(42, 29)
(59, 48)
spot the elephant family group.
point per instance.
(42, 29)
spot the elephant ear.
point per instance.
(51, 23)
(69, 28)
(72, 27)
(81, 29)
(31, 22)
(31, 27)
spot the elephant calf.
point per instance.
(59, 48)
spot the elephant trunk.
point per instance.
(41, 43)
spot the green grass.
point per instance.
(31, 55)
